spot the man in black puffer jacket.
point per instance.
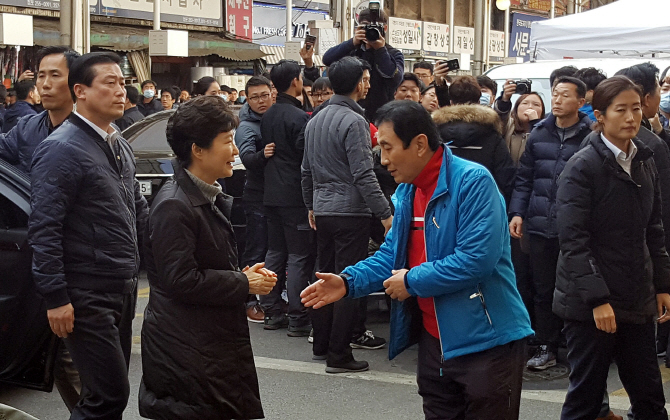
(86, 212)
(474, 132)
(550, 145)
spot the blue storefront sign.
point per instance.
(519, 40)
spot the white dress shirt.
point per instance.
(623, 159)
(109, 137)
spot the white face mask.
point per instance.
(149, 93)
(224, 96)
(485, 99)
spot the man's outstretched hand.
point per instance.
(328, 289)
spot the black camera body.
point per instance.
(523, 86)
(374, 31)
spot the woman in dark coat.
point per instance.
(197, 360)
(613, 273)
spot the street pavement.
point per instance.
(295, 387)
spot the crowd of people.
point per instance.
(493, 225)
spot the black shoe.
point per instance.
(275, 322)
(353, 366)
(543, 359)
(368, 341)
(319, 357)
(299, 331)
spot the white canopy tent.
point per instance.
(625, 28)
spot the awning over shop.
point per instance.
(276, 53)
(46, 32)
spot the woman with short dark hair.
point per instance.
(613, 273)
(197, 361)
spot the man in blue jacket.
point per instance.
(17, 145)
(386, 62)
(86, 210)
(446, 262)
(27, 97)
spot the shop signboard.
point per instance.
(191, 12)
(33, 4)
(269, 23)
(240, 18)
(405, 35)
(464, 40)
(496, 46)
(435, 39)
(519, 40)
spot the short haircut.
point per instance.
(591, 77)
(465, 90)
(69, 54)
(198, 121)
(487, 82)
(82, 71)
(364, 16)
(257, 81)
(563, 71)
(423, 65)
(345, 74)
(409, 76)
(232, 89)
(283, 74)
(146, 82)
(409, 119)
(11, 92)
(202, 85)
(644, 74)
(132, 94)
(307, 82)
(606, 91)
(171, 91)
(322, 83)
(581, 87)
(23, 89)
(226, 88)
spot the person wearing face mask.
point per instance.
(149, 104)
(489, 90)
(664, 107)
(226, 93)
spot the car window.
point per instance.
(152, 138)
(11, 215)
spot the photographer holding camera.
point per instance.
(369, 44)
(503, 105)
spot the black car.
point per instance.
(27, 345)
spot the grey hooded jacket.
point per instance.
(337, 166)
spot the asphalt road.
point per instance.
(295, 387)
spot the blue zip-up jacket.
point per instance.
(19, 110)
(17, 146)
(468, 272)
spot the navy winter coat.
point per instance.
(86, 211)
(534, 196)
(19, 110)
(17, 146)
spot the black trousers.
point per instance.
(66, 378)
(100, 347)
(341, 242)
(544, 258)
(256, 243)
(484, 385)
(290, 250)
(524, 277)
(590, 352)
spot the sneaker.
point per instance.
(275, 322)
(299, 331)
(610, 416)
(310, 339)
(255, 314)
(368, 341)
(542, 359)
(353, 366)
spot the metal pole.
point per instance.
(289, 20)
(479, 38)
(66, 22)
(86, 27)
(507, 13)
(552, 12)
(451, 25)
(157, 15)
(487, 34)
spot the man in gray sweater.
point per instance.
(342, 194)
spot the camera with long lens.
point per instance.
(375, 28)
